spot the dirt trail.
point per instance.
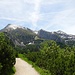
(23, 68)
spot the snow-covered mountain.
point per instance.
(36, 32)
(65, 35)
(12, 27)
(22, 35)
(58, 36)
(19, 35)
(60, 32)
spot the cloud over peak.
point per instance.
(36, 14)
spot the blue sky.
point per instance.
(50, 15)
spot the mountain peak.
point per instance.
(60, 32)
(12, 26)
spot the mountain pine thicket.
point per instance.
(51, 57)
(7, 55)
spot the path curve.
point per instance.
(23, 68)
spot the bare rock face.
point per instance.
(24, 35)
(18, 34)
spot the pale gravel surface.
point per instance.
(23, 68)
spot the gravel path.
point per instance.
(23, 68)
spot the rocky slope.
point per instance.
(19, 35)
(22, 36)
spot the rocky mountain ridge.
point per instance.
(22, 36)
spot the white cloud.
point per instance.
(20, 10)
(15, 10)
(13, 19)
(35, 14)
(65, 19)
(31, 11)
(50, 1)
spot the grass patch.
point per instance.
(12, 71)
(38, 69)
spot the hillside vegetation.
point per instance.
(7, 56)
(51, 57)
